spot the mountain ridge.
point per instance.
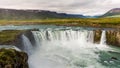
(34, 14)
(115, 12)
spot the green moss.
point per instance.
(11, 58)
(113, 37)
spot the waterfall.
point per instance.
(91, 36)
(63, 35)
(103, 38)
(67, 49)
(27, 45)
(55, 47)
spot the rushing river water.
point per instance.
(68, 47)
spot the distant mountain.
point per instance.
(96, 16)
(112, 13)
(34, 14)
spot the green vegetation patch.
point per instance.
(10, 58)
(88, 22)
(9, 36)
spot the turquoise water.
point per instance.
(67, 47)
(24, 27)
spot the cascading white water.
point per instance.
(91, 36)
(27, 45)
(66, 49)
(103, 38)
(63, 35)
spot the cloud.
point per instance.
(86, 7)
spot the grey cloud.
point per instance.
(87, 7)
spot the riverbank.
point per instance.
(9, 37)
(84, 22)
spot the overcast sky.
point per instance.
(86, 7)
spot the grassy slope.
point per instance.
(9, 37)
(91, 22)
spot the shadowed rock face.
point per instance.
(112, 37)
(97, 36)
(28, 33)
(10, 58)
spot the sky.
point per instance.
(85, 7)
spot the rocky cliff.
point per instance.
(13, 37)
(112, 37)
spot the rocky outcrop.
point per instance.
(10, 58)
(112, 37)
(97, 36)
(29, 35)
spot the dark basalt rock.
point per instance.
(114, 58)
(10, 58)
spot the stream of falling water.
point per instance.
(70, 49)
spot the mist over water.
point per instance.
(69, 49)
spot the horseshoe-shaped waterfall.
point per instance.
(69, 48)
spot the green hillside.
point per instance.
(112, 13)
(13, 14)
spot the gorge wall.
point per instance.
(112, 37)
(17, 37)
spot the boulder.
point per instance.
(10, 58)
